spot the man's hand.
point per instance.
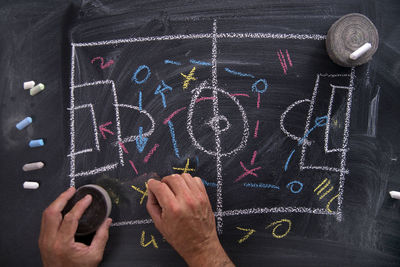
(56, 241)
(182, 212)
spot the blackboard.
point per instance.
(297, 154)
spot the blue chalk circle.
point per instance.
(291, 186)
(255, 86)
(36, 143)
(134, 77)
(25, 122)
(321, 121)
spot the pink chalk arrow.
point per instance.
(104, 130)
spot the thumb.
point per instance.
(101, 237)
(153, 208)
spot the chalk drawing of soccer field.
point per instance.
(117, 154)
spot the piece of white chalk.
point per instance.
(360, 51)
(37, 89)
(33, 166)
(25, 122)
(31, 185)
(29, 85)
(395, 194)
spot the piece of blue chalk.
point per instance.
(36, 143)
(25, 122)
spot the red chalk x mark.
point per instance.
(102, 65)
(104, 130)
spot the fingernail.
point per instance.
(88, 197)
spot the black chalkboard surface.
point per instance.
(297, 154)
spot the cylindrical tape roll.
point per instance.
(348, 34)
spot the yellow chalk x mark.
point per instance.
(188, 78)
(250, 232)
(278, 224)
(152, 241)
(144, 194)
(186, 169)
(329, 203)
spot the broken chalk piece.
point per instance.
(29, 85)
(36, 143)
(25, 122)
(31, 185)
(360, 51)
(395, 194)
(37, 89)
(33, 166)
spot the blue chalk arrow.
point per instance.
(141, 141)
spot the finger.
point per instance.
(52, 217)
(200, 184)
(154, 208)
(70, 222)
(191, 183)
(163, 194)
(101, 237)
(61, 201)
(176, 183)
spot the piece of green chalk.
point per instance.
(37, 89)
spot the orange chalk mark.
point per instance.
(278, 224)
(144, 193)
(186, 169)
(152, 241)
(188, 78)
(250, 232)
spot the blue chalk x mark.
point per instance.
(139, 69)
(209, 183)
(261, 185)
(141, 141)
(167, 61)
(36, 143)
(160, 91)
(174, 144)
(239, 73)
(202, 63)
(292, 184)
(25, 122)
(255, 86)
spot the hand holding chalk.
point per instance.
(56, 241)
(182, 212)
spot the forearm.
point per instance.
(212, 255)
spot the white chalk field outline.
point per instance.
(342, 170)
(214, 36)
(96, 134)
(328, 123)
(133, 138)
(72, 109)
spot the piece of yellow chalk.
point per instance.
(37, 89)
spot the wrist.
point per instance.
(208, 254)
